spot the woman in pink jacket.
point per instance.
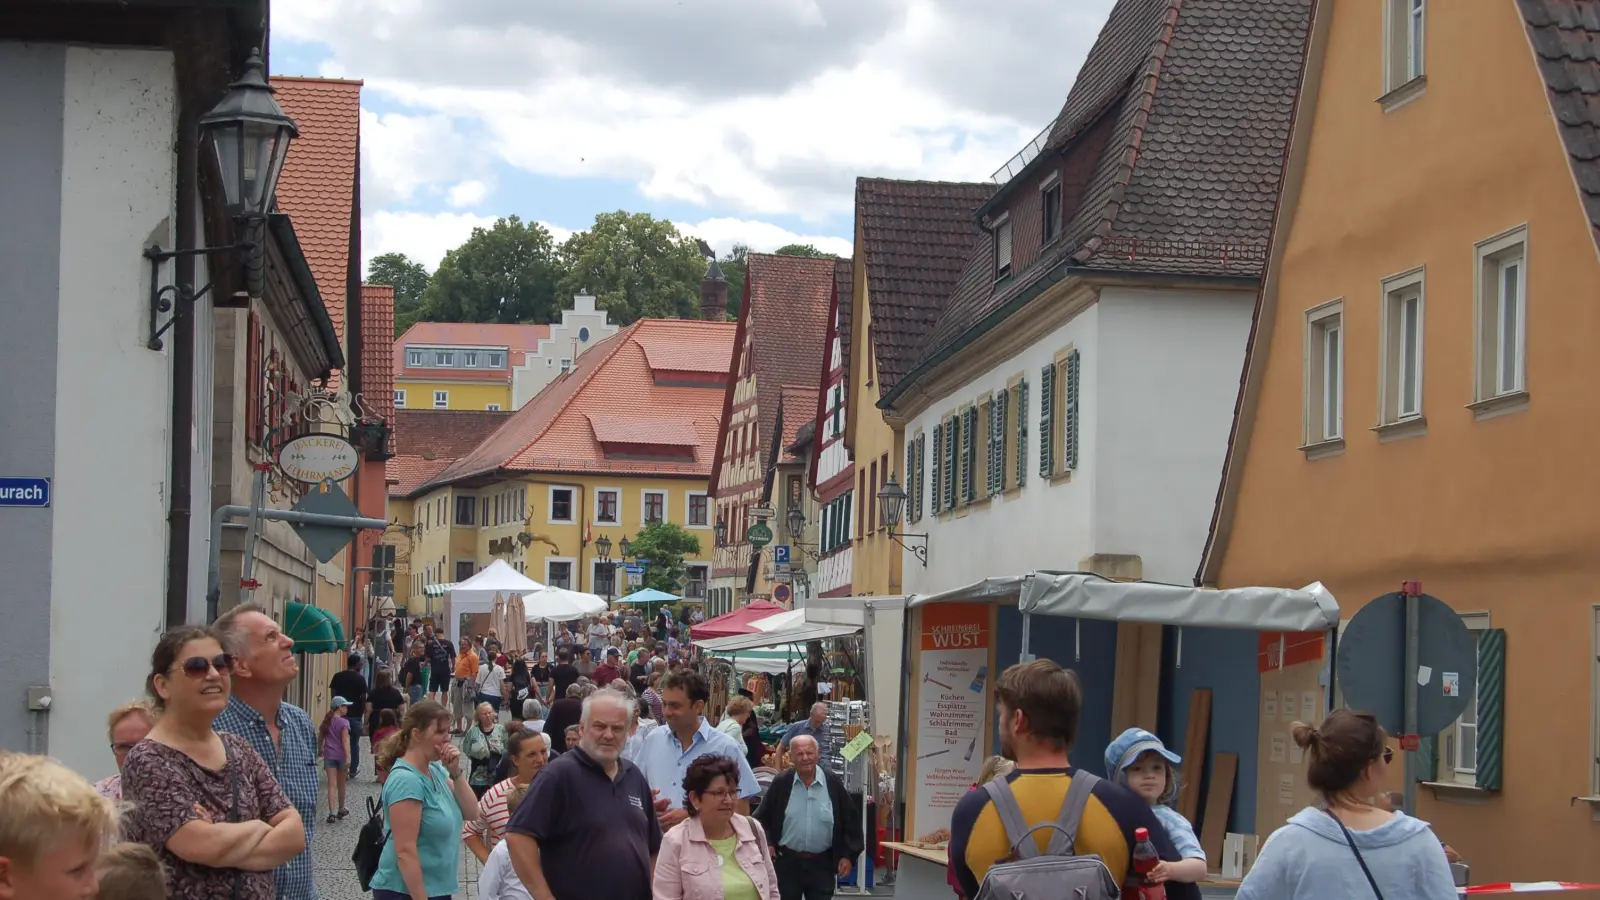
(715, 854)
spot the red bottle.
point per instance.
(1144, 860)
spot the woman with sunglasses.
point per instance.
(1394, 855)
(205, 802)
(716, 854)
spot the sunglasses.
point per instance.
(200, 666)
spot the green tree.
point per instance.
(409, 280)
(803, 250)
(665, 545)
(735, 266)
(636, 266)
(506, 274)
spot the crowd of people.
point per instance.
(611, 782)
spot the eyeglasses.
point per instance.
(1388, 755)
(123, 746)
(200, 666)
(722, 796)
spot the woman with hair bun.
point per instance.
(1396, 857)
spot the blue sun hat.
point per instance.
(1129, 746)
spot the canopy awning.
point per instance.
(496, 578)
(645, 598)
(437, 590)
(1088, 596)
(775, 639)
(736, 622)
(560, 605)
(767, 662)
(313, 629)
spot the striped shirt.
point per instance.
(493, 814)
(297, 771)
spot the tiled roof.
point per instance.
(614, 429)
(553, 433)
(519, 340)
(844, 283)
(799, 410)
(1566, 40)
(667, 352)
(1200, 95)
(443, 433)
(915, 238)
(318, 186)
(407, 474)
(376, 327)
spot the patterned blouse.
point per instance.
(164, 785)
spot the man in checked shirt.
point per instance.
(281, 733)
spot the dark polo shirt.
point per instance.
(596, 835)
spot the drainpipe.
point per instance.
(179, 479)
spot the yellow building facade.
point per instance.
(436, 394)
(876, 444)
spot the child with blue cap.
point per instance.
(1140, 761)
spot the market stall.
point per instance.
(952, 649)
(476, 596)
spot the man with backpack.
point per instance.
(1054, 830)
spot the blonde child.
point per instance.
(334, 738)
(131, 872)
(1139, 760)
(54, 827)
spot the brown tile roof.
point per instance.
(914, 240)
(376, 329)
(407, 474)
(519, 340)
(1566, 41)
(844, 283)
(799, 410)
(1200, 95)
(427, 440)
(662, 432)
(318, 186)
(667, 352)
(553, 431)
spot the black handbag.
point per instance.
(369, 844)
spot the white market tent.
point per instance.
(560, 605)
(778, 641)
(477, 594)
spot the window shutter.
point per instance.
(1047, 402)
(952, 432)
(921, 462)
(1427, 757)
(1491, 707)
(936, 483)
(1022, 433)
(846, 536)
(969, 453)
(988, 446)
(910, 479)
(1069, 450)
(1002, 403)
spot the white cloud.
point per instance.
(468, 193)
(426, 237)
(402, 153)
(762, 237)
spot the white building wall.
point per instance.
(1168, 366)
(566, 341)
(835, 458)
(833, 571)
(1042, 527)
(108, 572)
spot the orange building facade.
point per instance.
(1421, 388)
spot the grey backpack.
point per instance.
(1024, 874)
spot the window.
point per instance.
(558, 573)
(699, 577)
(466, 510)
(416, 358)
(911, 487)
(484, 512)
(399, 399)
(492, 407)
(1059, 412)
(995, 432)
(1405, 31)
(497, 359)
(699, 510)
(441, 399)
(583, 335)
(969, 455)
(561, 505)
(1402, 348)
(1002, 248)
(464, 569)
(566, 365)
(861, 511)
(444, 358)
(1324, 374)
(469, 358)
(1458, 761)
(1018, 461)
(604, 578)
(1051, 201)
(655, 507)
(836, 413)
(606, 506)
(1502, 315)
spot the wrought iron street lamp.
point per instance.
(891, 507)
(602, 545)
(248, 134)
(627, 548)
(720, 532)
(796, 521)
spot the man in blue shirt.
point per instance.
(282, 734)
(665, 753)
(813, 825)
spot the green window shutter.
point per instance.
(1428, 758)
(936, 483)
(845, 536)
(1047, 402)
(952, 434)
(921, 463)
(989, 469)
(910, 476)
(1491, 708)
(969, 453)
(1022, 433)
(997, 467)
(1069, 452)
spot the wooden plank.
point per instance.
(1224, 768)
(1194, 753)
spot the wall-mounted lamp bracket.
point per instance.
(175, 298)
(918, 549)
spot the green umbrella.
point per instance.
(312, 629)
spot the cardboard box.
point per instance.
(1238, 854)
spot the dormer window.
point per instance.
(416, 358)
(496, 360)
(445, 358)
(1002, 248)
(1050, 202)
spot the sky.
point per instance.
(741, 121)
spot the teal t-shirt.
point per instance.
(438, 839)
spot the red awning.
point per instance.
(736, 622)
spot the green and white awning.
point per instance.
(438, 590)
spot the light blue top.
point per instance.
(1179, 832)
(438, 838)
(664, 760)
(1309, 859)
(808, 819)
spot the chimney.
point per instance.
(714, 294)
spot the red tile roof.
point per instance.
(799, 410)
(844, 283)
(318, 186)
(406, 474)
(519, 340)
(553, 431)
(668, 354)
(642, 430)
(785, 310)
(376, 327)
(427, 440)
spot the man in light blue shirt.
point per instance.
(665, 753)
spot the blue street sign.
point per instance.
(31, 492)
(632, 569)
(780, 554)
